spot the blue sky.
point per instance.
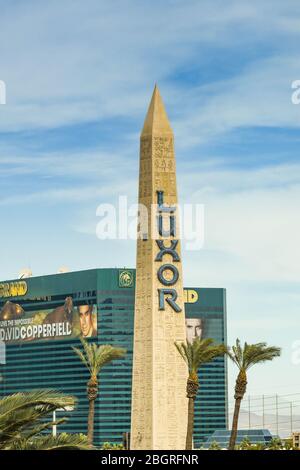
(79, 78)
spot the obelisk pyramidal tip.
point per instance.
(159, 403)
(156, 121)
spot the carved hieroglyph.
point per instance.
(159, 403)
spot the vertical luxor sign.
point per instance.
(167, 273)
(159, 403)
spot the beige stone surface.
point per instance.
(159, 403)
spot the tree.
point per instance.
(94, 357)
(23, 421)
(245, 444)
(215, 446)
(244, 358)
(258, 446)
(112, 446)
(275, 444)
(288, 444)
(195, 354)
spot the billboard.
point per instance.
(193, 325)
(194, 329)
(63, 322)
(13, 289)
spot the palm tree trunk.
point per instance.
(240, 390)
(190, 426)
(91, 416)
(192, 387)
(235, 421)
(92, 392)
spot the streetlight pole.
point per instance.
(54, 427)
(249, 412)
(277, 415)
(263, 410)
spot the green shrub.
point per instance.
(112, 446)
(214, 446)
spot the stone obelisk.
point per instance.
(159, 403)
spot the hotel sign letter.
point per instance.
(167, 250)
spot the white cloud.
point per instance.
(259, 96)
(252, 224)
(87, 177)
(73, 62)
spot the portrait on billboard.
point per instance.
(194, 329)
(87, 320)
(62, 322)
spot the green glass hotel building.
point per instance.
(40, 322)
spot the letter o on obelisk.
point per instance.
(163, 280)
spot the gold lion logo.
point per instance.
(125, 279)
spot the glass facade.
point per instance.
(255, 436)
(51, 363)
(209, 306)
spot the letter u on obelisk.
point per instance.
(159, 403)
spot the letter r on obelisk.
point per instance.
(170, 300)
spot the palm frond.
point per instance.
(182, 349)
(82, 357)
(23, 415)
(251, 354)
(34, 398)
(61, 442)
(259, 353)
(200, 352)
(36, 430)
(88, 351)
(94, 357)
(236, 355)
(107, 353)
(21, 420)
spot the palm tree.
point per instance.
(215, 446)
(275, 444)
(23, 421)
(195, 354)
(244, 358)
(94, 357)
(245, 444)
